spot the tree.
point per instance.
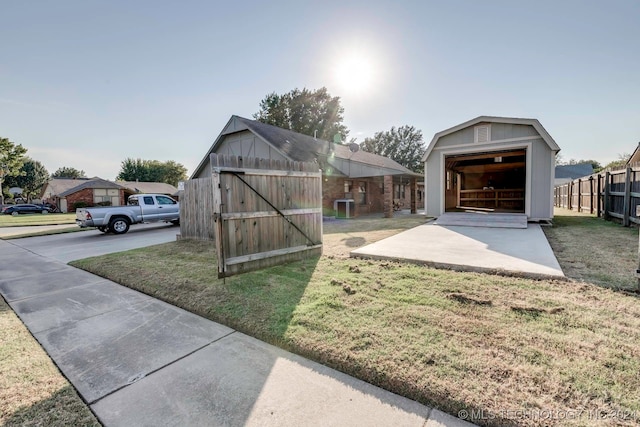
(619, 163)
(170, 171)
(404, 145)
(32, 178)
(67, 172)
(11, 160)
(314, 113)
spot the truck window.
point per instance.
(133, 201)
(164, 200)
(148, 200)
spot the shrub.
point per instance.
(80, 204)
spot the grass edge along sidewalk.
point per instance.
(509, 349)
(32, 389)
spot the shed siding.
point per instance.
(540, 155)
(541, 197)
(499, 131)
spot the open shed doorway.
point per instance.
(490, 181)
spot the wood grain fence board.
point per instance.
(253, 234)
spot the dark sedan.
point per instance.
(25, 209)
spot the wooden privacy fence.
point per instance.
(610, 194)
(266, 212)
(196, 210)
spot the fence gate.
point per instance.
(266, 212)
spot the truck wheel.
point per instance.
(175, 222)
(119, 225)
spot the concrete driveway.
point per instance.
(523, 252)
(139, 361)
(73, 246)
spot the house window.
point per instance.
(482, 133)
(348, 189)
(448, 180)
(398, 191)
(362, 192)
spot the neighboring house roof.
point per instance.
(60, 185)
(491, 119)
(91, 183)
(573, 171)
(148, 187)
(304, 148)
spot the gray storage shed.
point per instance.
(492, 164)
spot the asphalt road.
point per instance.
(72, 246)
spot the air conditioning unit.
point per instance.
(344, 208)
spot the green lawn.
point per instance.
(511, 348)
(37, 219)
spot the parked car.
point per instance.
(26, 208)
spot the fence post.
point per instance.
(591, 200)
(570, 195)
(579, 195)
(607, 189)
(627, 197)
(598, 202)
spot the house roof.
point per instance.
(491, 119)
(60, 185)
(90, 183)
(148, 187)
(299, 147)
(574, 171)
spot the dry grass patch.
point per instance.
(510, 348)
(32, 390)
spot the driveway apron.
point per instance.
(139, 361)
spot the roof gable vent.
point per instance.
(482, 133)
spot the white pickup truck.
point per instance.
(140, 208)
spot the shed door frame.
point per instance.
(487, 149)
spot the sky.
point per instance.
(87, 84)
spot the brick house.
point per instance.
(371, 183)
(67, 192)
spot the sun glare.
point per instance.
(354, 74)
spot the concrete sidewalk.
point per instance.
(522, 252)
(139, 361)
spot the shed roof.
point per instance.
(303, 148)
(492, 119)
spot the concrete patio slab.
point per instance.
(522, 252)
(104, 353)
(65, 307)
(240, 381)
(42, 277)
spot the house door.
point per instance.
(450, 189)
